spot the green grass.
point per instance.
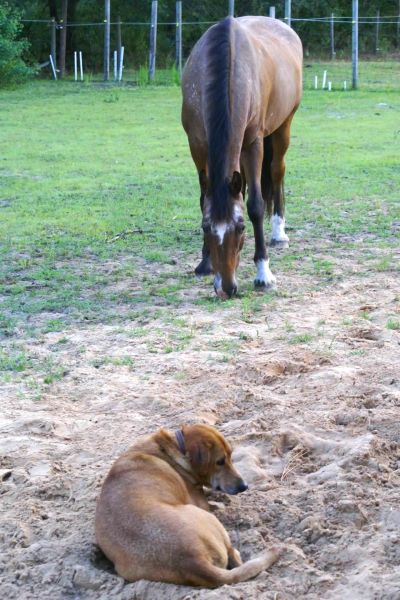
(393, 324)
(118, 361)
(14, 361)
(301, 338)
(97, 188)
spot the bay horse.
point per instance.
(241, 86)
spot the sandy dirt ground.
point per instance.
(314, 421)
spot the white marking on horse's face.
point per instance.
(278, 229)
(220, 230)
(264, 275)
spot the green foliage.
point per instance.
(12, 67)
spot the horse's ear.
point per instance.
(235, 185)
(203, 181)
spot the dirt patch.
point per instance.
(307, 388)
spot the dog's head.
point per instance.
(210, 457)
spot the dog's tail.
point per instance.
(212, 576)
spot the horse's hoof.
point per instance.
(203, 268)
(263, 285)
(280, 244)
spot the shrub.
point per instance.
(12, 67)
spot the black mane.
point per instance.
(218, 119)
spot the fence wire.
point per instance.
(323, 37)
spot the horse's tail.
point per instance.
(266, 176)
(218, 113)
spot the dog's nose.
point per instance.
(242, 487)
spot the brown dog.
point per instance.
(152, 518)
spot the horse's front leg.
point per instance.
(204, 267)
(199, 155)
(252, 158)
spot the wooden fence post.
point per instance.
(354, 45)
(119, 42)
(53, 42)
(153, 40)
(63, 36)
(178, 37)
(398, 29)
(107, 12)
(333, 53)
(377, 32)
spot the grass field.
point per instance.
(106, 334)
(92, 175)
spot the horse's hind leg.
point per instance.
(252, 158)
(280, 143)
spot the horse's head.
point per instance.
(224, 235)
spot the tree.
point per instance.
(12, 66)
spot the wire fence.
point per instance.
(324, 37)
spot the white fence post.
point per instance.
(121, 63)
(81, 64)
(75, 66)
(53, 67)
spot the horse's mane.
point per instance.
(218, 117)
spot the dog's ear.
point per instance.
(200, 456)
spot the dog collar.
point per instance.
(181, 441)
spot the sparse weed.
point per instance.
(301, 338)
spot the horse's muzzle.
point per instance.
(227, 293)
(232, 291)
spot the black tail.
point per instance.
(218, 115)
(266, 177)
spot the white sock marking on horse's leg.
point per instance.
(278, 229)
(264, 275)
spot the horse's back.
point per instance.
(270, 31)
(266, 83)
(276, 62)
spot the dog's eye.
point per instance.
(220, 462)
